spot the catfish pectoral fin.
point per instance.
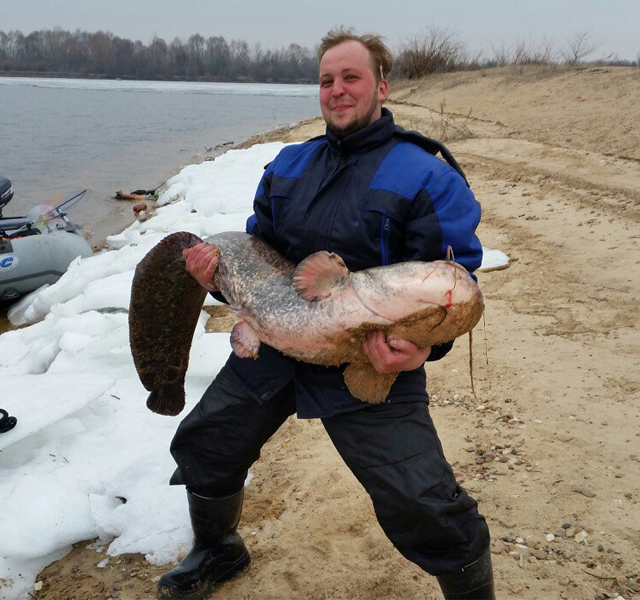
(320, 274)
(244, 340)
(365, 383)
(167, 400)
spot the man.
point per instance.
(374, 194)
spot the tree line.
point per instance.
(102, 54)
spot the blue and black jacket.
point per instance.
(375, 197)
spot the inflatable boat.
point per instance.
(6, 192)
(38, 248)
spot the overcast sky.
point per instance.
(480, 23)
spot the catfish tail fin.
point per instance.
(168, 400)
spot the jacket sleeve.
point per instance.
(444, 213)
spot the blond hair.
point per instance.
(381, 58)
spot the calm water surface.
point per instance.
(63, 135)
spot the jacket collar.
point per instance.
(374, 135)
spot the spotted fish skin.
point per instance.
(425, 303)
(163, 312)
(259, 285)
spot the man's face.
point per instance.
(350, 96)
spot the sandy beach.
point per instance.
(550, 447)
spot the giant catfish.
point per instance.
(318, 311)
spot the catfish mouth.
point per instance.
(431, 303)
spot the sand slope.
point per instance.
(553, 438)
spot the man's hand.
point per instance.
(201, 264)
(397, 355)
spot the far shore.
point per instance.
(94, 76)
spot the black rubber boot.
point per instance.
(218, 551)
(474, 582)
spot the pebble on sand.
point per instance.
(585, 492)
(581, 536)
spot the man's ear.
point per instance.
(383, 90)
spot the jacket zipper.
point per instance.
(340, 166)
(273, 216)
(384, 239)
(341, 163)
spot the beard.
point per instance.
(356, 124)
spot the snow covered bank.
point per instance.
(87, 458)
(493, 260)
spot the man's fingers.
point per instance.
(197, 258)
(402, 346)
(396, 355)
(212, 265)
(203, 253)
(369, 348)
(190, 255)
(192, 261)
(201, 262)
(199, 249)
(376, 343)
(378, 351)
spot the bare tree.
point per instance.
(16, 46)
(101, 52)
(436, 51)
(501, 55)
(532, 53)
(196, 49)
(240, 55)
(179, 57)
(158, 55)
(218, 57)
(125, 61)
(579, 45)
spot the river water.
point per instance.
(63, 135)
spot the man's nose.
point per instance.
(337, 89)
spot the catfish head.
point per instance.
(397, 291)
(391, 292)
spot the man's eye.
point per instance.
(325, 83)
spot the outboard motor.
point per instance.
(6, 192)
